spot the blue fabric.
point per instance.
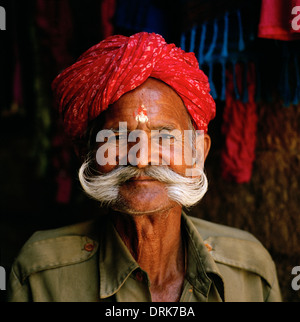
(182, 41)
(224, 55)
(193, 39)
(216, 51)
(241, 35)
(224, 52)
(209, 54)
(202, 44)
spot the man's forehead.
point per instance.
(163, 126)
(157, 118)
(153, 102)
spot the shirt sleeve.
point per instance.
(16, 291)
(274, 294)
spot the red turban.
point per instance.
(118, 65)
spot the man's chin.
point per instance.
(142, 209)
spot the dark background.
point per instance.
(37, 163)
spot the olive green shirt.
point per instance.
(89, 262)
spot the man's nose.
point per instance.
(139, 151)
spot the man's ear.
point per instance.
(203, 144)
(207, 145)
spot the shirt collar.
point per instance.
(116, 263)
(202, 270)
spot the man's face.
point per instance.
(150, 108)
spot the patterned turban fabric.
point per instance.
(120, 64)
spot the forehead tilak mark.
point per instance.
(141, 115)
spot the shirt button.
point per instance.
(89, 247)
(209, 247)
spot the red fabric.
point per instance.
(118, 65)
(54, 19)
(108, 8)
(277, 18)
(239, 128)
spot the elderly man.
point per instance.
(138, 110)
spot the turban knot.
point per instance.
(118, 65)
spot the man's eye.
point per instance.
(168, 137)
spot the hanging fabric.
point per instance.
(202, 44)
(54, 21)
(108, 8)
(241, 35)
(221, 41)
(224, 53)
(209, 58)
(239, 126)
(182, 41)
(193, 39)
(224, 56)
(277, 20)
(209, 55)
(54, 33)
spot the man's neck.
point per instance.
(156, 244)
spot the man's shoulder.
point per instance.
(210, 229)
(236, 248)
(55, 248)
(85, 228)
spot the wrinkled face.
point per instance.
(155, 111)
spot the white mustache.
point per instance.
(105, 187)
